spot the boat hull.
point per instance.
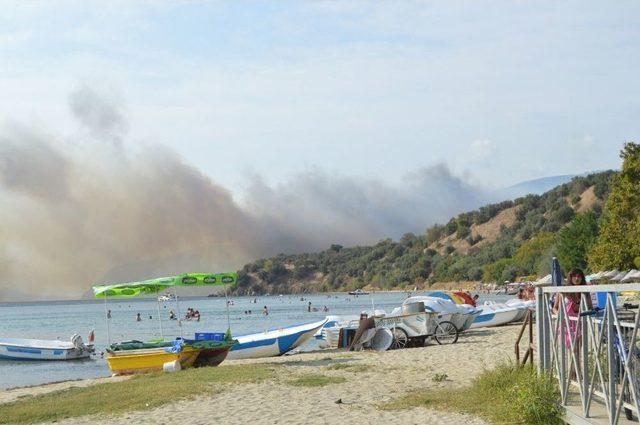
(130, 362)
(488, 318)
(211, 356)
(272, 343)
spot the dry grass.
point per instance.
(507, 395)
(355, 368)
(138, 393)
(313, 380)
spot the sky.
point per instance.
(148, 138)
(499, 91)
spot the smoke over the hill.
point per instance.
(74, 213)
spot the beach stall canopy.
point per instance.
(153, 286)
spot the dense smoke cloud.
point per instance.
(72, 217)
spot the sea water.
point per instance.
(61, 319)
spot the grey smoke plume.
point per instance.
(103, 117)
(69, 220)
(30, 165)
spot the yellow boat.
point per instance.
(128, 362)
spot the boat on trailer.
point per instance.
(43, 349)
(275, 342)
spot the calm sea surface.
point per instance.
(61, 319)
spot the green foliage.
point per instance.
(506, 394)
(618, 243)
(462, 231)
(451, 227)
(493, 272)
(528, 256)
(433, 234)
(575, 241)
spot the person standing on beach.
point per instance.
(570, 302)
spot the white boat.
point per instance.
(167, 297)
(274, 342)
(521, 305)
(495, 315)
(38, 349)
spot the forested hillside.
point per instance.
(495, 243)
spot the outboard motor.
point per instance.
(77, 342)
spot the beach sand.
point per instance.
(388, 376)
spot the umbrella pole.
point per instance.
(175, 293)
(227, 302)
(106, 318)
(160, 319)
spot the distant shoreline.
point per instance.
(436, 286)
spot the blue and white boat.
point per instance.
(38, 349)
(495, 315)
(274, 342)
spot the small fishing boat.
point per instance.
(39, 349)
(358, 292)
(134, 357)
(274, 342)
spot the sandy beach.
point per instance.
(382, 377)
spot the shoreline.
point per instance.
(370, 380)
(435, 286)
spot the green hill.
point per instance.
(495, 243)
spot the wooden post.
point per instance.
(528, 320)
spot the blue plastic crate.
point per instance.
(209, 336)
(602, 299)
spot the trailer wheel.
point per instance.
(400, 338)
(446, 333)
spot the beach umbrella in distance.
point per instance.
(556, 272)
